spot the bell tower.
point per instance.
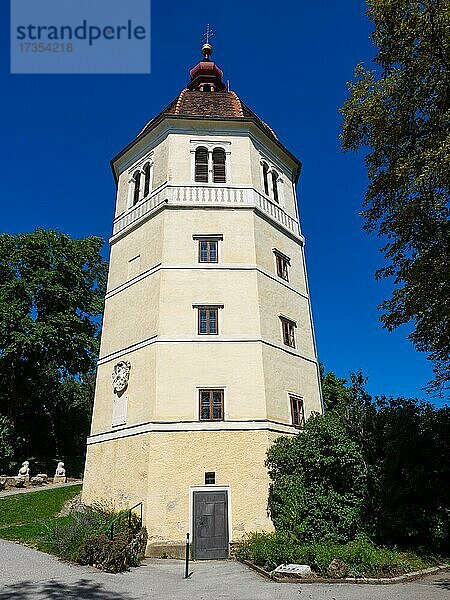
(207, 351)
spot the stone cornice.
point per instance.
(192, 426)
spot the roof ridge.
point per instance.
(238, 103)
(180, 99)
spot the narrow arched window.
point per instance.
(201, 165)
(147, 179)
(275, 186)
(265, 169)
(218, 157)
(137, 187)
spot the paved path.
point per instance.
(39, 488)
(26, 574)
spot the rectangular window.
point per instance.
(297, 411)
(207, 251)
(208, 320)
(211, 405)
(288, 328)
(210, 478)
(282, 262)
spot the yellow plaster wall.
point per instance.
(184, 368)
(298, 377)
(182, 288)
(277, 300)
(159, 469)
(141, 390)
(145, 241)
(285, 189)
(236, 226)
(131, 315)
(159, 156)
(267, 237)
(160, 163)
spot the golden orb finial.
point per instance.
(206, 50)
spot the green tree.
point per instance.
(412, 466)
(400, 112)
(51, 301)
(6, 444)
(318, 482)
(334, 390)
(379, 465)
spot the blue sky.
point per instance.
(289, 61)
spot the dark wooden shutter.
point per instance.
(219, 165)
(147, 179)
(275, 187)
(201, 165)
(137, 187)
(265, 178)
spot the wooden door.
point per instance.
(210, 525)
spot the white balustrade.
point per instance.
(205, 194)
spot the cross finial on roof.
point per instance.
(209, 33)
(207, 48)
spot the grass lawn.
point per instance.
(24, 517)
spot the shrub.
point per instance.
(359, 558)
(318, 482)
(119, 554)
(65, 535)
(81, 537)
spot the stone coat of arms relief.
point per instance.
(120, 376)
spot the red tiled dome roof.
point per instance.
(206, 97)
(227, 105)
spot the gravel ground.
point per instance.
(28, 574)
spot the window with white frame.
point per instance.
(210, 164)
(147, 179)
(265, 170)
(137, 187)
(208, 320)
(218, 158)
(271, 181)
(275, 179)
(211, 405)
(208, 247)
(140, 183)
(288, 330)
(282, 263)
(297, 410)
(201, 165)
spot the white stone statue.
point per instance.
(60, 470)
(24, 470)
(120, 376)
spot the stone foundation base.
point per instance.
(162, 550)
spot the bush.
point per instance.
(81, 537)
(65, 535)
(126, 550)
(318, 482)
(359, 558)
